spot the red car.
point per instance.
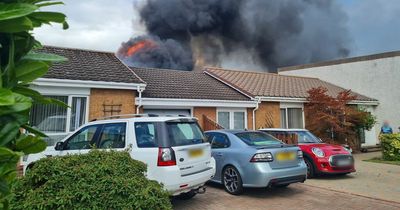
(321, 158)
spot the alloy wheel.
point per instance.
(231, 180)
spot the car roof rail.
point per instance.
(125, 116)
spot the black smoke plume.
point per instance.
(258, 34)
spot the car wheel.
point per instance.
(310, 168)
(187, 196)
(232, 180)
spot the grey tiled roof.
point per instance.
(89, 65)
(162, 83)
(275, 85)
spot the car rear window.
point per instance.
(184, 133)
(167, 134)
(257, 139)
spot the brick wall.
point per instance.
(210, 112)
(98, 97)
(268, 115)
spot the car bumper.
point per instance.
(262, 175)
(177, 184)
(325, 166)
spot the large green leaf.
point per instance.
(50, 4)
(34, 131)
(7, 155)
(47, 17)
(8, 132)
(10, 11)
(29, 70)
(45, 57)
(6, 97)
(30, 144)
(22, 103)
(16, 25)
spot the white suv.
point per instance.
(174, 149)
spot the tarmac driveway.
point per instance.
(374, 186)
(371, 179)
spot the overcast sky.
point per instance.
(103, 24)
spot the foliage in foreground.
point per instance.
(333, 119)
(97, 180)
(390, 146)
(19, 66)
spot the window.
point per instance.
(113, 136)
(232, 119)
(146, 134)
(257, 139)
(83, 139)
(184, 133)
(292, 118)
(219, 140)
(56, 121)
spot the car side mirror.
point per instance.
(59, 145)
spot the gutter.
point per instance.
(140, 90)
(258, 101)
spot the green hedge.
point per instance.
(390, 146)
(97, 180)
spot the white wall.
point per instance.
(379, 79)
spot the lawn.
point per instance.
(380, 160)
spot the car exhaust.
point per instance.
(201, 190)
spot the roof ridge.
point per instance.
(162, 69)
(79, 49)
(262, 73)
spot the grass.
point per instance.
(380, 160)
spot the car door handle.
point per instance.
(219, 154)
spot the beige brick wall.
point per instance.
(210, 112)
(268, 115)
(98, 97)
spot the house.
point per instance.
(281, 98)
(94, 84)
(194, 94)
(375, 75)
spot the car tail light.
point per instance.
(299, 154)
(166, 157)
(262, 157)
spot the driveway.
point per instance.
(371, 179)
(296, 196)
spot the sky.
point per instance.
(374, 25)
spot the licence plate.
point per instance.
(344, 163)
(285, 156)
(195, 153)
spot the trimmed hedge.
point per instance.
(390, 146)
(97, 180)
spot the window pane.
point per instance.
(82, 139)
(50, 118)
(238, 120)
(78, 112)
(283, 118)
(184, 133)
(220, 141)
(223, 119)
(295, 117)
(257, 138)
(146, 134)
(113, 136)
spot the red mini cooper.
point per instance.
(321, 158)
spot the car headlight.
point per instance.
(318, 152)
(348, 149)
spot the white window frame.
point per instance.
(287, 106)
(231, 115)
(68, 123)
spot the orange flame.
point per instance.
(140, 45)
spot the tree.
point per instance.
(333, 119)
(20, 65)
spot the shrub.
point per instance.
(97, 180)
(390, 146)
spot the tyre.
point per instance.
(187, 196)
(232, 180)
(310, 168)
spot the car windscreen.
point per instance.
(306, 137)
(184, 133)
(257, 139)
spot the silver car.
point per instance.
(254, 159)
